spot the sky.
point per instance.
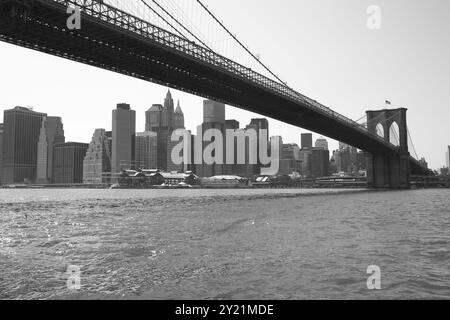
(321, 48)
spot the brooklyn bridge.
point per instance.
(143, 39)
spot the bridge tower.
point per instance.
(389, 170)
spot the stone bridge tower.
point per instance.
(389, 170)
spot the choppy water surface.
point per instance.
(224, 244)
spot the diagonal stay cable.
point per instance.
(240, 43)
(162, 18)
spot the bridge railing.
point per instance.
(126, 21)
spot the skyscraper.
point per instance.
(320, 162)
(213, 112)
(307, 140)
(162, 119)
(213, 118)
(259, 124)
(277, 155)
(52, 132)
(123, 138)
(178, 118)
(178, 123)
(232, 124)
(168, 112)
(289, 161)
(146, 150)
(188, 146)
(305, 159)
(347, 159)
(234, 168)
(153, 117)
(97, 161)
(21, 130)
(68, 162)
(322, 143)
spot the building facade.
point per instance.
(21, 129)
(305, 159)
(321, 143)
(52, 132)
(123, 138)
(320, 163)
(213, 118)
(97, 162)
(68, 162)
(348, 160)
(163, 120)
(146, 150)
(290, 159)
(307, 140)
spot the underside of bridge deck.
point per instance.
(41, 25)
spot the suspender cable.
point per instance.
(240, 43)
(181, 25)
(162, 18)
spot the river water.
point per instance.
(224, 244)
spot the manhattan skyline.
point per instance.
(384, 66)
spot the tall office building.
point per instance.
(178, 118)
(213, 118)
(1, 147)
(184, 166)
(232, 169)
(153, 117)
(290, 160)
(68, 162)
(147, 150)
(347, 159)
(163, 119)
(178, 123)
(322, 143)
(52, 132)
(168, 112)
(97, 162)
(154, 122)
(123, 138)
(447, 157)
(231, 124)
(320, 163)
(278, 153)
(213, 112)
(21, 130)
(259, 124)
(305, 159)
(307, 140)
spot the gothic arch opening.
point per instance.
(379, 129)
(394, 134)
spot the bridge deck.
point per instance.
(114, 40)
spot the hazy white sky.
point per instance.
(322, 48)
